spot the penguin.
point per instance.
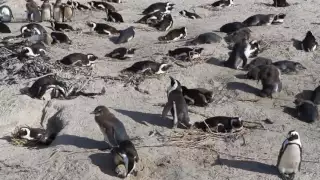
(197, 97)
(237, 36)
(288, 67)
(259, 20)
(33, 13)
(190, 15)
(101, 5)
(232, 27)
(278, 19)
(280, 3)
(112, 128)
(40, 86)
(113, 16)
(102, 28)
(174, 35)
(221, 124)
(257, 62)
(164, 7)
(67, 12)
(57, 11)
(290, 156)
(31, 29)
(60, 37)
(185, 53)
(30, 134)
(147, 66)
(307, 111)
(4, 28)
(315, 98)
(152, 19)
(5, 14)
(78, 59)
(125, 157)
(46, 10)
(269, 75)
(241, 51)
(222, 3)
(165, 24)
(35, 50)
(82, 7)
(253, 72)
(177, 105)
(60, 26)
(121, 53)
(126, 35)
(309, 43)
(72, 3)
(206, 38)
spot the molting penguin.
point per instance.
(190, 15)
(125, 158)
(33, 13)
(111, 127)
(206, 38)
(126, 35)
(40, 86)
(222, 3)
(307, 111)
(241, 51)
(61, 26)
(37, 49)
(237, 36)
(290, 156)
(113, 16)
(270, 79)
(177, 105)
(197, 97)
(5, 14)
(67, 12)
(147, 66)
(57, 11)
(102, 28)
(185, 53)
(221, 124)
(288, 67)
(315, 98)
(78, 59)
(121, 53)
(174, 35)
(160, 6)
(46, 10)
(4, 28)
(259, 20)
(60, 37)
(165, 24)
(101, 5)
(231, 27)
(309, 43)
(257, 62)
(280, 3)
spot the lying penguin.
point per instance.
(174, 35)
(102, 28)
(121, 53)
(222, 3)
(60, 37)
(152, 19)
(113, 16)
(206, 38)
(189, 15)
(185, 53)
(307, 111)
(289, 67)
(61, 26)
(78, 59)
(164, 7)
(232, 27)
(37, 49)
(101, 5)
(198, 96)
(220, 124)
(264, 19)
(147, 66)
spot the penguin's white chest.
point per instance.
(46, 14)
(290, 160)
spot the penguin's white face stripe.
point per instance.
(177, 38)
(30, 52)
(247, 51)
(130, 38)
(23, 29)
(167, 28)
(42, 50)
(27, 136)
(160, 71)
(37, 30)
(101, 6)
(106, 31)
(314, 48)
(128, 55)
(172, 88)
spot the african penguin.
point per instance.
(206, 38)
(288, 67)
(31, 29)
(197, 97)
(259, 20)
(60, 37)
(290, 156)
(101, 5)
(125, 157)
(37, 49)
(185, 53)
(165, 24)
(82, 7)
(174, 35)
(237, 36)
(315, 97)
(31, 134)
(4, 28)
(253, 72)
(33, 13)
(164, 7)
(78, 59)
(102, 28)
(112, 128)
(220, 124)
(67, 12)
(257, 62)
(113, 16)
(177, 105)
(46, 10)
(309, 43)
(279, 19)
(307, 111)
(61, 26)
(189, 14)
(126, 35)
(57, 11)
(5, 14)
(148, 66)
(269, 75)
(222, 3)
(232, 27)
(280, 3)
(152, 18)
(121, 53)
(40, 86)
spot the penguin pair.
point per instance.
(185, 53)
(264, 19)
(289, 67)
(174, 35)
(60, 37)
(206, 38)
(307, 111)
(165, 7)
(35, 50)
(165, 24)
(176, 105)
(197, 97)
(46, 10)
(102, 28)
(125, 155)
(222, 3)
(100, 5)
(309, 43)
(6, 14)
(113, 16)
(220, 124)
(121, 53)
(32, 29)
(189, 15)
(33, 12)
(150, 67)
(61, 26)
(78, 59)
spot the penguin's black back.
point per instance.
(207, 38)
(315, 98)
(4, 28)
(231, 27)
(308, 111)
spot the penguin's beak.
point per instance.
(93, 112)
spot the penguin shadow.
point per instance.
(247, 165)
(80, 142)
(296, 44)
(243, 87)
(105, 163)
(215, 61)
(146, 118)
(290, 111)
(113, 39)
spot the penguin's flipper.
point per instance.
(166, 109)
(191, 101)
(175, 115)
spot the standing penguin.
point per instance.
(57, 11)
(33, 13)
(309, 43)
(177, 105)
(46, 10)
(290, 156)
(111, 127)
(5, 14)
(126, 35)
(67, 12)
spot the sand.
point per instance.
(75, 155)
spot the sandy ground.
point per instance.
(75, 155)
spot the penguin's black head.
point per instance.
(184, 88)
(174, 85)
(99, 110)
(309, 33)
(199, 50)
(92, 57)
(91, 24)
(25, 50)
(236, 123)
(293, 135)
(278, 19)
(132, 50)
(162, 38)
(299, 66)
(183, 12)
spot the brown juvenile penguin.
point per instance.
(33, 13)
(67, 12)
